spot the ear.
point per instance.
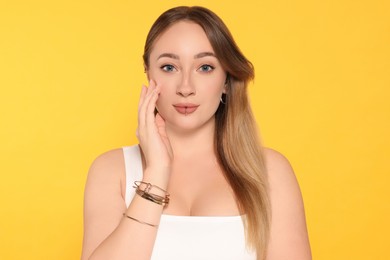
(225, 86)
(146, 71)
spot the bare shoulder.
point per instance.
(106, 172)
(289, 236)
(280, 172)
(283, 184)
(106, 176)
(108, 163)
(276, 159)
(104, 200)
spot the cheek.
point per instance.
(158, 75)
(214, 86)
(163, 100)
(165, 83)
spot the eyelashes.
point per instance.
(203, 68)
(168, 68)
(206, 68)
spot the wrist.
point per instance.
(157, 176)
(152, 193)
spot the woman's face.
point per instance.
(183, 63)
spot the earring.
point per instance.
(221, 99)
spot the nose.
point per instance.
(185, 87)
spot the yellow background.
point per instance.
(70, 76)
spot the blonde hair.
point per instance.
(237, 144)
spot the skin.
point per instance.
(178, 156)
(186, 74)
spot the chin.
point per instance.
(189, 124)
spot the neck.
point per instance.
(189, 143)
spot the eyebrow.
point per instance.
(204, 54)
(196, 56)
(169, 55)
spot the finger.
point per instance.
(152, 84)
(153, 87)
(146, 113)
(149, 88)
(146, 91)
(150, 117)
(142, 96)
(141, 104)
(160, 123)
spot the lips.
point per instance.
(185, 108)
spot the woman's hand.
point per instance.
(151, 131)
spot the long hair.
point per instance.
(237, 144)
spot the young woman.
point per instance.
(198, 185)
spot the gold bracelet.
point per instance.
(152, 197)
(139, 221)
(146, 194)
(149, 186)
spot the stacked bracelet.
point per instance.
(146, 193)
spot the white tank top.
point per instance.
(190, 237)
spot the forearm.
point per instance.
(134, 236)
(131, 239)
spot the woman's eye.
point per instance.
(168, 68)
(206, 68)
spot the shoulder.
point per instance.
(275, 160)
(112, 159)
(289, 237)
(109, 164)
(106, 171)
(283, 183)
(281, 176)
(278, 168)
(103, 198)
